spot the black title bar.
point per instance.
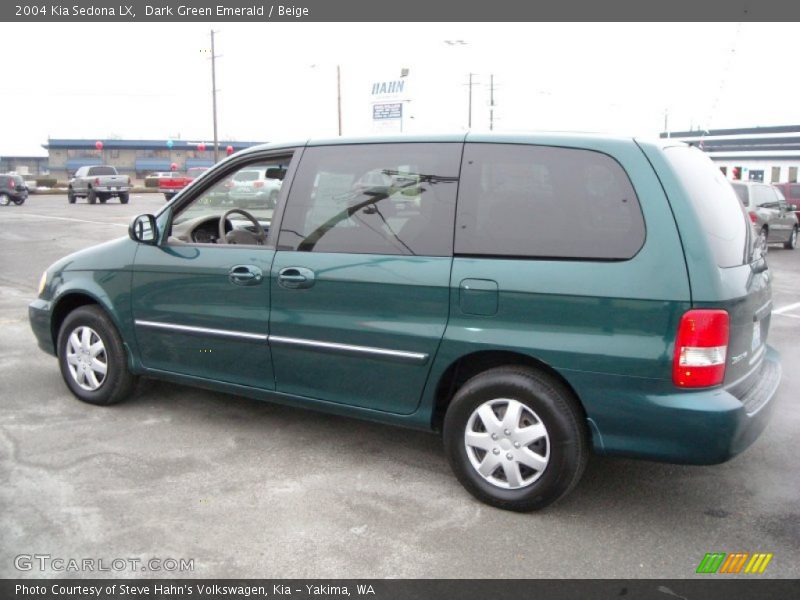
(399, 10)
(706, 587)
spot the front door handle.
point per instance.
(245, 275)
(295, 278)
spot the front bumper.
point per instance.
(39, 315)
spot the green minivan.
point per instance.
(533, 297)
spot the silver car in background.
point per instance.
(773, 219)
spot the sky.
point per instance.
(277, 81)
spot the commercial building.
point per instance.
(768, 154)
(24, 165)
(136, 158)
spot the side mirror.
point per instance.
(143, 230)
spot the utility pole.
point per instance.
(491, 102)
(214, 95)
(469, 114)
(339, 97)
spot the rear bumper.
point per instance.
(700, 427)
(112, 190)
(39, 314)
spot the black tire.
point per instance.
(18, 201)
(118, 382)
(558, 410)
(123, 198)
(168, 197)
(103, 199)
(92, 196)
(71, 197)
(791, 243)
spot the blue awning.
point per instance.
(199, 162)
(153, 164)
(73, 164)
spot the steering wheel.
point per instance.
(241, 236)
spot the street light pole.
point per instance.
(339, 98)
(214, 95)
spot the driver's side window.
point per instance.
(235, 209)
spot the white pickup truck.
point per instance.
(99, 182)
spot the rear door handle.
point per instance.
(245, 275)
(295, 278)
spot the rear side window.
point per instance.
(764, 195)
(373, 199)
(716, 204)
(794, 191)
(741, 191)
(247, 176)
(548, 202)
(102, 171)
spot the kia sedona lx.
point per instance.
(534, 298)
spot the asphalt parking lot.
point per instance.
(250, 489)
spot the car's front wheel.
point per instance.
(4, 200)
(516, 438)
(92, 357)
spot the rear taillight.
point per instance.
(97, 181)
(12, 183)
(258, 184)
(753, 217)
(129, 180)
(700, 349)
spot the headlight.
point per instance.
(42, 282)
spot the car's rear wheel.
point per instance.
(4, 200)
(123, 198)
(103, 199)
(516, 438)
(18, 201)
(791, 243)
(92, 357)
(91, 197)
(71, 197)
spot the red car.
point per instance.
(170, 186)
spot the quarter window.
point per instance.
(548, 202)
(373, 199)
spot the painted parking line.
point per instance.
(33, 215)
(787, 308)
